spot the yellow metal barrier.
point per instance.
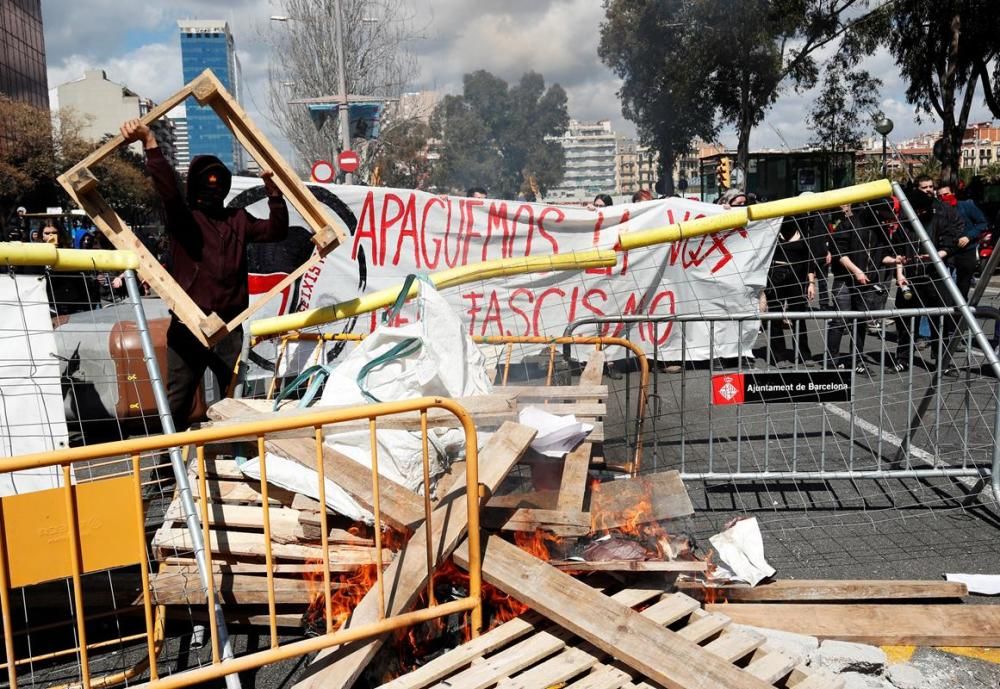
(38, 254)
(579, 260)
(74, 536)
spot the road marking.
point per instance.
(971, 482)
(899, 654)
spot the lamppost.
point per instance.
(883, 125)
(344, 112)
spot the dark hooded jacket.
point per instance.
(208, 242)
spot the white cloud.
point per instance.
(138, 46)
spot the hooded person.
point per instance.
(208, 259)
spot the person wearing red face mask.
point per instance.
(209, 261)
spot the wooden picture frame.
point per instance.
(82, 186)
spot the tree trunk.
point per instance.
(667, 160)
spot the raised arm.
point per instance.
(275, 227)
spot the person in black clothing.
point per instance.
(861, 249)
(918, 281)
(791, 282)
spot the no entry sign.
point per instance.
(347, 161)
(322, 171)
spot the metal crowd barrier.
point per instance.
(94, 525)
(632, 433)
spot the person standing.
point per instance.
(861, 250)
(791, 282)
(919, 284)
(965, 259)
(208, 260)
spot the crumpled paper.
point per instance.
(556, 435)
(740, 550)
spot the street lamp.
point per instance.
(345, 125)
(883, 125)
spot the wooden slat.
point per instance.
(553, 671)
(814, 678)
(561, 523)
(593, 372)
(614, 503)
(891, 625)
(631, 566)
(603, 677)
(573, 484)
(175, 588)
(826, 590)
(512, 659)
(169, 540)
(770, 665)
(733, 645)
(189, 565)
(459, 657)
(287, 525)
(539, 499)
(704, 627)
(575, 393)
(400, 508)
(406, 577)
(486, 410)
(671, 609)
(656, 652)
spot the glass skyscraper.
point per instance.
(22, 52)
(207, 44)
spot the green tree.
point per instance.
(944, 49)
(658, 58)
(402, 157)
(39, 146)
(499, 137)
(841, 114)
(757, 47)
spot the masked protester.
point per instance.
(208, 259)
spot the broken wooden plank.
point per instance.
(173, 540)
(287, 525)
(539, 499)
(486, 410)
(407, 575)
(174, 587)
(566, 524)
(513, 630)
(888, 625)
(655, 651)
(573, 484)
(642, 499)
(631, 566)
(577, 393)
(823, 590)
(593, 372)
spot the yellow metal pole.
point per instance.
(682, 230)
(76, 562)
(39, 254)
(268, 555)
(377, 510)
(147, 603)
(858, 193)
(578, 260)
(213, 623)
(323, 527)
(8, 630)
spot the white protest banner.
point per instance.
(395, 232)
(32, 416)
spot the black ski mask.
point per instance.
(208, 184)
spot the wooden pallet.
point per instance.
(528, 652)
(236, 518)
(82, 186)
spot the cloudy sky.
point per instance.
(138, 45)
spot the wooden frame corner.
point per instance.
(83, 188)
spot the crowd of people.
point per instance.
(850, 261)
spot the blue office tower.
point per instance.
(207, 44)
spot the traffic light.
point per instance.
(723, 172)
